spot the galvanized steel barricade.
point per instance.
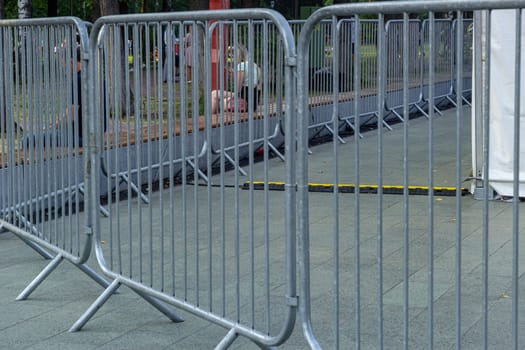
(365, 33)
(445, 61)
(468, 58)
(234, 263)
(331, 61)
(257, 45)
(42, 173)
(402, 39)
(380, 265)
(320, 76)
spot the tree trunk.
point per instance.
(25, 8)
(2, 9)
(109, 7)
(96, 10)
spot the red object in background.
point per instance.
(217, 5)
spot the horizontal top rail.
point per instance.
(394, 7)
(240, 14)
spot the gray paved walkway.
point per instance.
(127, 322)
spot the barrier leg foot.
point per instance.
(198, 170)
(438, 111)
(276, 151)
(451, 100)
(227, 340)
(387, 125)
(40, 278)
(352, 126)
(135, 188)
(332, 132)
(159, 305)
(103, 210)
(94, 275)
(234, 163)
(422, 111)
(230, 338)
(95, 306)
(265, 347)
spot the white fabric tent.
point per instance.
(501, 100)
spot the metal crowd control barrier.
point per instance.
(366, 33)
(258, 44)
(397, 36)
(137, 90)
(378, 275)
(177, 248)
(468, 58)
(331, 59)
(445, 52)
(41, 133)
(321, 76)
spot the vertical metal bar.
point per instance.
(43, 89)
(155, 124)
(223, 39)
(485, 228)
(144, 43)
(159, 95)
(266, 59)
(249, 70)
(183, 143)
(103, 99)
(477, 98)
(431, 70)
(80, 109)
(69, 127)
(335, 196)
(208, 59)
(516, 185)
(357, 166)
(14, 94)
(38, 126)
(291, 180)
(459, 143)
(171, 40)
(237, 204)
(406, 216)
(381, 71)
(305, 306)
(195, 76)
(4, 87)
(9, 52)
(4, 120)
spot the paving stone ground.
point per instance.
(127, 322)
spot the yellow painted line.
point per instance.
(364, 188)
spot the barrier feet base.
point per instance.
(86, 316)
(40, 278)
(159, 305)
(94, 275)
(228, 340)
